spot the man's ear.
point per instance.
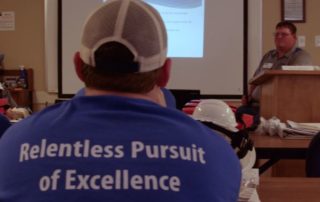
(78, 63)
(165, 74)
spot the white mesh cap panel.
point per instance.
(148, 39)
(99, 25)
(133, 23)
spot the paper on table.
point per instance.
(311, 127)
(296, 130)
(296, 136)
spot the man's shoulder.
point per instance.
(300, 57)
(300, 51)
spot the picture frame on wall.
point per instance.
(293, 10)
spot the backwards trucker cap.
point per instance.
(132, 23)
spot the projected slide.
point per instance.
(184, 20)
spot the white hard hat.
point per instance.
(217, 112)
(220, 114)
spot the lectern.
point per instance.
(289, 95)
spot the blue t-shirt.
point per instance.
(110, 148)
(168, 96)
(4, 124)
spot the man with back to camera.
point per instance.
(286, 52)
(118, 142)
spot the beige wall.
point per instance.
(309, 29)
(25, 45)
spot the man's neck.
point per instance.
(155, 95)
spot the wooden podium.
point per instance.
(289, 95)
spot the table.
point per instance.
(289, 189)
(275, 148)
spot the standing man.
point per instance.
(286, 53)
(118, 142)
